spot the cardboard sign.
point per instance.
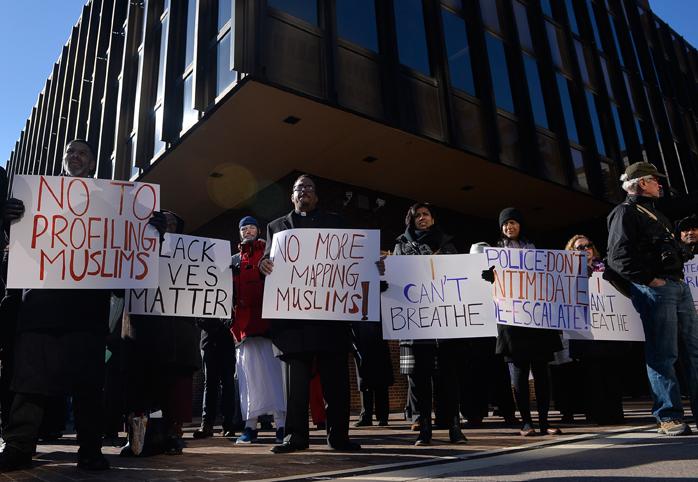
(613, 316)
(539, 288)
(690, 271)
(83, 233)
(441, 296)
(324, 274)
(195, 280)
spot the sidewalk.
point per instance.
(384, 448)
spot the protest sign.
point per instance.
(195, 280)
(612, 315)
(83, 233)
(539, 288)
(690, 271)
(323, 274)
(437, 297)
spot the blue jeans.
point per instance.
(670, 320)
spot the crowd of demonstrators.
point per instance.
(644, 253)
(425, 360)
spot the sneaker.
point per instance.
(136, 438)
(673, 428)
(205, 431)
(527, 430)
(363, 422)
(247, 436)
(94, 462)
(280, 433)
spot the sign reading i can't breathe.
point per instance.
(323, 274)
(440, 296)
(195, 280)
(538, 288)
(83, 233)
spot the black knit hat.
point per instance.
(510, 213)
(690, 222)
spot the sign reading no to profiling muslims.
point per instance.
(613, 316)
(323, 274)
(538, 288)
(690, 271)
(195, 280)
(441, 296)
(83, 233)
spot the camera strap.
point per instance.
(652, 216)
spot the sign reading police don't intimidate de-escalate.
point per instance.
(440, 296)
(83, 233)
(538, 288)
(195, 280)
(323, 274)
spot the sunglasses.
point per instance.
(582, 247)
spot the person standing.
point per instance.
(302, 343)
(258, 371)
(643, 251)
(688, 232)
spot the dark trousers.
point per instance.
(603, 386)
(334, 377)
(5, 393)
(474, 382)
(28, 411)
(566, 387)
(421, 379)
(219, 375)
(500, 387)
(541, 378)
(375, 401)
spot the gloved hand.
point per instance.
(159, 222)
(488, 275)
(14, 210)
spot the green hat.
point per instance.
(641, 169)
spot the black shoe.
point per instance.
(95, 462)
(174, 446)
(126, 451)
(424, 437)
(456, 436)
(229, 433)
(345, 446)
(382, 423)
(287, 448)
(12, 459)
(321, 426)
(363, 422)
(205, 431)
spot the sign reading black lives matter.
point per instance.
(195, 280)
(324, 274)
(83, 233)
(437, 297)
(539, 288)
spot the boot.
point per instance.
(454, 432)
(205, 431)
(424, 437)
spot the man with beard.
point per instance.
(304, 344)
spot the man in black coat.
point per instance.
(303, 344)
(688, 231)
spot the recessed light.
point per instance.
(215, 175)
(369, 159)
(467, 187)
(292, 120)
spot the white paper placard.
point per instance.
(690, 271)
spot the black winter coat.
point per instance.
(307, 336)
(374, 367)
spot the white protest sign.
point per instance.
(83, 233)
(324, 274)
(613, 316)
(690, 271)
(539, 288)
(441, 296)
(195, 280)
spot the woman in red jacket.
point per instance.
(258, 370)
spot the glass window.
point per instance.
(606, 77)
(551, 166)
(558, 48)
(631, 92)
(612, 23)
(619, 128)
(189, 114)
(303, 9)
(638, 128)
(521, 17)
(595, 123)
(594, 26)
(159, 144)
(579, 171)
(224, 74)
(454, 4)
(581, 60)
(546, 7)
(535, 91)
(490, 17)
(411, 35)
(458, 52)
(571, 16)
(190, 41)
(225, 8)
(562, 85)
(500, 73)
(509, 142)
(162, 58)
(356, 22)
(609, 179)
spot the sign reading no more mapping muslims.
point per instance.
(323, 274)
(83, 233)
(195, 280)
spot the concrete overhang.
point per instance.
(244, 145)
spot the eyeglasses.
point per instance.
(304, 187)
(582, 247)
